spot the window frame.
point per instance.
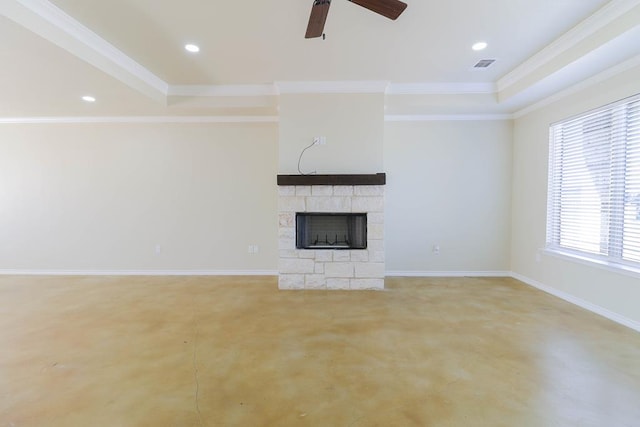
(623, 144)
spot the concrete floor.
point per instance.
(220, 351)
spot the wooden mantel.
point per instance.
(367, 179)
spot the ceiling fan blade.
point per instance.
(389, 8)
(318, 17)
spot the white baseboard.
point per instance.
(399, 273)
(234, 273)
(138, 272)
(618, 318)
(635, 325)
(579, 302)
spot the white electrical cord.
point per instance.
(300, 158)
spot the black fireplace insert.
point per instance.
(331, 230)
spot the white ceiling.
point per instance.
(129, 54)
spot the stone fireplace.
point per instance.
(329, 265)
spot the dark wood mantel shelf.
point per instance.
(368, 179)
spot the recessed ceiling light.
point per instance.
(192, 48)
(479, 46)
(88, 98)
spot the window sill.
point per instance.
(592, 262)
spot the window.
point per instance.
(593, 208)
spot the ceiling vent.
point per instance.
(484, 63)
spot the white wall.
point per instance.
(102, 196)
(353, 125)
(615, 292)
(448, 184)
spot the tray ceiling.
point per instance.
(255, 48)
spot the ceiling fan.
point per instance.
(388, 8)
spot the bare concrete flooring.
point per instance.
(221, 351)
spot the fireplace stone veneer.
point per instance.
(331, 268)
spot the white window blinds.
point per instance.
(593, 205)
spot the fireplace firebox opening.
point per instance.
(331, 230)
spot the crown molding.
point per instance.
(602, 76)
(99, 53)
(223, 90)
(234, 119)
(441, 88)
(600, 19)
(445, 117)
(332, 87)
(138, 119)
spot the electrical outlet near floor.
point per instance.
(253, 249)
